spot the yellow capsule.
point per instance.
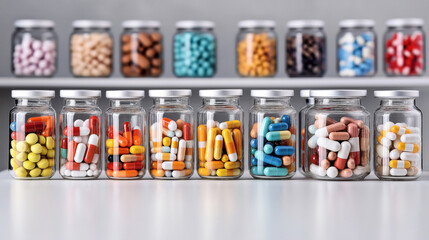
(202, 142)
(13, 152)
(13, 144)
(174, 145)
(228, 172)
(111, 143)
(21, 156)
(31, 138)
(42, 139)
(229, 145)
(21, 172)
(35, 172)
(29, 165)
(211, 138)
(232, 165)
(22, 146)
(51, 162)
(50, 143)
(238, 141)
(13, 163)
(43, 163)
(44, 150)
(137, 149)
(33, 157)
(408, 147)
(50, 154)
(166, 141)
(230, 124)
(47, 172)
(225, 158)
(203, 171)
(399, 130)
(36, 148)
(399, 164)
(217, 154)
(214, 165)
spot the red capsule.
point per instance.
(71, 150)
(128, 134)
(114, 166)
(33, 127)
(137, 136)
(187, 134)
(133, 165)
(64, 143)
(314, 159)
(112, 132)
(94, 125)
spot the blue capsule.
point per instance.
(278, 127)
(254, 143)
(258, 170)
(263, 129)
(275, 172)
(284, 150)
(13, 126)
(272, 160)
(268, 148)
(286, 119)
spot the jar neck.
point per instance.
(338, 101)
(81, 102)
(221, 101)
(309, 101)
(272, 101)
(125, 102)
(398, 102)
(171, 101)
(33, 102)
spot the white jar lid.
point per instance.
(221, 93)
(338, 93)
(271, 93)
(80, 93)
(355, 23)
(141, 24)
(305, 93)
(188, 24)
(34, 23)
(91, 24)
(397, 94)
(33, 93)
(167, 93)
(124, 94)
(305, 24)
(405, 22)
(257, 24)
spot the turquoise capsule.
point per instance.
(259, 171)
(268, 148)
(284, 150)
(275, 172)
(165, 149)
(272, 160)
(64, 153)
(252, 151)
(170, 134)
(278, 135)
(263, 129)
(278, 127)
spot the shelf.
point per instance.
(10, 82)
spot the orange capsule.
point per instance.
(118, 151)
(238, 140)
(156, 165)
(125, 173)
(214, 165)
(157, 173)
(137, 136)
(123, 142)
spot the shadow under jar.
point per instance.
(34, 48)
(141, 49)
(309, 102)
(398, 136)
(125, 135)
(220, 134)
(32, 135)
(91, 49)
(272, 139)
(338, 134)
(80, 134)
(306, 48)
(171, 134)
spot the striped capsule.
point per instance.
(174, 145)
(182, 150)
(399, 164)
(228, 172)
(399, 130)
(238, 141)
(202, 141)
(211, 139)
(230, 124)
(408, 147)
(218, 147)
(229, 145)
(278, 135)
(165, 156)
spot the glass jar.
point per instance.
(256, 48)
(34, 48)
(91, 49)
(80, 134)
(220, 134)
(272, 121)
(309, 102)
(404, 47)
(171, 134)
(398, 136)
(338, 144)
(306, 48)
(194, 49)
(125, 135)
(356, 48)
(141, 49)
(32, 135)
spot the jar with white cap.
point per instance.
(32, 135)
(309, 102)
(141, 48)
(404, 47)
(34, 48)
(91, 49)
(272, 124)
(194, 49)
(256, 46)
(306, 48)
(398, 136)
(171, 134)
(337, 145)
(125, 135)
(220, 134)
(80, 128)
(356, 48)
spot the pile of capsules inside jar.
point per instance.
(172, 148)
(80, 151)
(125, 153)
(272, 147)
(340, 149)
(33, 147)
(220, 149)
(397, 150)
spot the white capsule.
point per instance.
(317, 170)
(391, 136)
(153, 157)
(312, 129)
(93, 140)
(84, 131)
(96, 172)
(379, 127)
(385, 142)
(412, 157)
(398, 171)
(332, 172)
(80, 152)
(322, 132)
(179, 173)
(174, 140)
(78, 123)
(410, 138)
(345, 150)
(170, 134)
(78, 173)
(387, 126)
(83, 166)
(172, 125)
(168, 173)
(213, 173)
(86, 123)
(401, 124)
(414, 130)
(312, 142)
(359, 170)
(394, 154)
(188, 164)
(67, 173)
(223, 125)
(63, 170)
(395, 143)
(178, 133)
(159, 156)
(329, 144)
(93, 166)
(95, 158)
(382, 151)
(89, 173)
(78, 139)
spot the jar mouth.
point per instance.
(80, 94)
(34, 23)
(272, 93)
(257, 24)
(357, 23)
(189, 24)
(397, 94)
(338, 93)
(33, 94)
(92, 24)
(136, 24)
(221, 93)
(125, 94)
(306, 24)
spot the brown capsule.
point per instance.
(126, 58)
(347, 120)
(364, 138)
(353, 130)
(150, 53)
(339, 136)
(140, 60)
(155, 72)
(155, 36)
(351, 163)
(364, 158)
(332, 156)
(287, 160)
(346, 173)
(336, 127)
(325, 164)
(254, 131)
(303, 132)
(126, 38)
(145, 39)
(158, 48)
(156, 62)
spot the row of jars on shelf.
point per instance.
(334, 137)
(34, 49)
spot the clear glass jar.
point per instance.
(80, 128)
(171, 134)
(125, 135)
(272, 121)
(356, 48)
(194, 49)
(32, 135)
(404, 47)
(256, 48)
(309, 102)
(306, 48)
(338, 144)
(34, 48)
(398, 136)
(91, 49)
(141, 49)
(220, 134)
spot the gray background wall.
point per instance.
(224, 13)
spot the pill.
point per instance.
(268, 148)
(278, 135)
(284, 150)
(329, 144)
(229, 145)
(408, 147)
(264, 127)
(275, 172)
(181, 173)
(399, 164)
(117, 151)
(325, 131)
(398, 171)
(232, 165)
(339, 136)
(394, 154)
(410, 138)
(230, 124)
(80, 152)
(238, 141)
(228, 172)
(76, 131)
(269, 159)
(317, 170)
(278, 127)
(332, 172)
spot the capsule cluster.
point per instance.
(356, 54)
(397, 150)
(172, 148)
(80, 151)
(125, 153)
(273, 147)
(340, 149)
(33, 147)
(220, 148)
